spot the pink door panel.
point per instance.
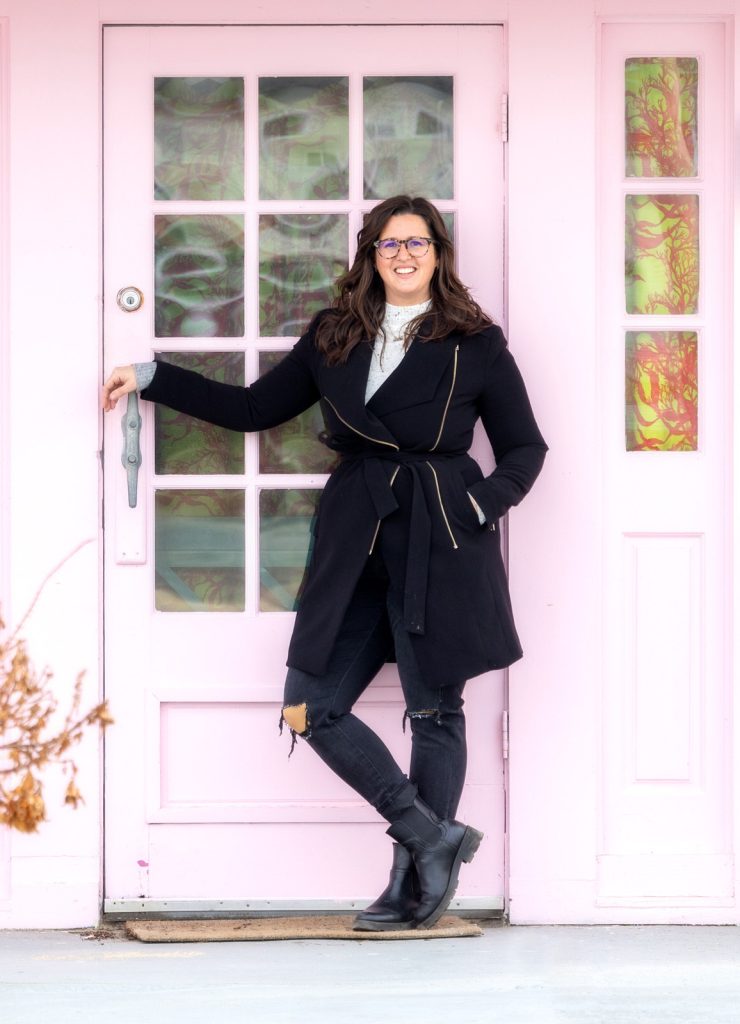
(238, 165)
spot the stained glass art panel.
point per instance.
(199, 550)
(662, 393)
(199, 276)
(662, 254)
(304, 138)
(661, 116)
(294, 447)
(183, 444)
(286, 536)
(408, 124)
(198, 138)
(300, 257)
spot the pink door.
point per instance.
(238, 165)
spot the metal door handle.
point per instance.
(131, 454)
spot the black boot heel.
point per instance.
(470, 843)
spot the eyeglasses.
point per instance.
(390, 247)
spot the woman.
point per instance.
(406, 564)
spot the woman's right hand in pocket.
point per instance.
(121, 382)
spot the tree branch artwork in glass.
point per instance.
(662, 393)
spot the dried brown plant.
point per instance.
(30, 737)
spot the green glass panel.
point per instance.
(408, 137)
(199, 550)
(294, 447)
(198, 138)
(199, 276)
(662, 254)
(662, 392)
(286, 519)
(301, 255)
(304, 138)
(661, 118)
(183, 444)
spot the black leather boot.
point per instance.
(395, 907)
(438, 848)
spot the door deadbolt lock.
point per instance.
(129, 299)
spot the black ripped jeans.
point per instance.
(371, 627)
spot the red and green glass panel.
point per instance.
(198, 138)
(661, 116)
(662, 254)
(300, 257)
(199, 550)
(183, 444)
(662, 394)
(304, 138)
(286, 536)
(199, 276)
(294, 447)
(408, 125)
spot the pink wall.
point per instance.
(52, 879)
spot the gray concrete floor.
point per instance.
(532, 975)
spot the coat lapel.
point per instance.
(416, 379)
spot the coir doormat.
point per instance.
(263, 929)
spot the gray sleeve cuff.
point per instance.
(478, 509)
(144, 374)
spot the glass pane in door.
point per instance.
(199, 276)
(198, 138)
(183, 444)
(199, 550)
(304, 138)
(661, 115)
(408, 137)
(286, 518)
(662, 391)
(300, 257)
(662, 254)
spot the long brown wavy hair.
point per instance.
(357, 312)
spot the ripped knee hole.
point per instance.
(295, 717)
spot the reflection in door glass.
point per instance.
(662, 391)
(408, 137)
(662, 254)
(198, 138)
(301, 255)
(199, 276)
(304, 138)
(199, 550)
(183, 444)
(294, 447)
(661, 103)
(286, 519)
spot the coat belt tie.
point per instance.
(420, 534)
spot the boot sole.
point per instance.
(467, 849)
(383, 926)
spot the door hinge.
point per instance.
(505, 117)
(505, 735)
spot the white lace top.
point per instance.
(389, 348)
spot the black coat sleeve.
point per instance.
(284, 392)
(518, 445)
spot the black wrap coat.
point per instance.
(402, 484)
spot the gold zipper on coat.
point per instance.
(444, 514)
(449, 399)
(366, 436)
(377, 528)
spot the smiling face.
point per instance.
(406, 279)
